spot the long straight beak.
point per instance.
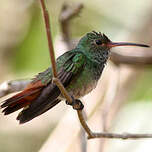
(114, 44)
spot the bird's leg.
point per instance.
(76, 104)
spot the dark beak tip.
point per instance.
(114, 44)
(148, 46)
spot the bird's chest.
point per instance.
(83, 83)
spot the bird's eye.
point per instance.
(98, 42)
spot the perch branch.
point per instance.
(121, 136)
(51, 50)
(62, 89)
(49, 38)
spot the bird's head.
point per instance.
(95, 41)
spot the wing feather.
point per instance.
(46, 100)
(42, 93)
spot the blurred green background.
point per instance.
(24, 49)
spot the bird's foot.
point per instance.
(76, 104)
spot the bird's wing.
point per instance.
(33, 90)
(47, 98)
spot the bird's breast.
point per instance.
(82, 84)
(80, 92)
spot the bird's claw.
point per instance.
(76, 104)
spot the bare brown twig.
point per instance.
(49, 38)
(51, 50)
(121, 136)
(62, 89)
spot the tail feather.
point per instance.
(20, 100)
(26, 94)
(46, 100)
(14, 108)
(26, 116)
(34, 101)
(37, 98)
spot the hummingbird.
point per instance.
(78, 70)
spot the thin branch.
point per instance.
(12, 86)
(92, 135)
(62, 89)
(51, 50)
(84, 124)
(120, 136)
(49, 38)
